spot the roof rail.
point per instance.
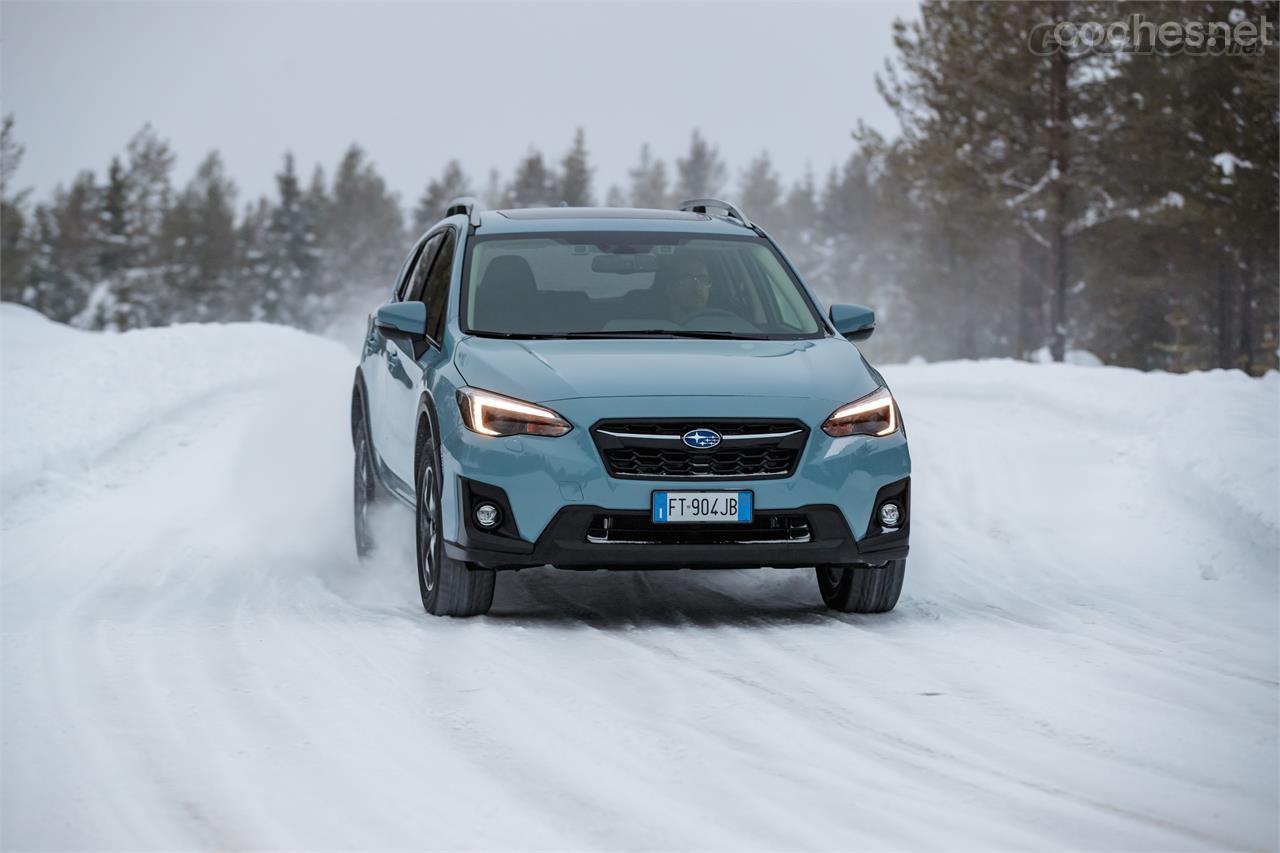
(700, 205)
(465, 204)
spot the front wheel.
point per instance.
(448, 587)
(862, 589)
(365, 487)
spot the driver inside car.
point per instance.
(690, 289)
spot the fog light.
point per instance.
(488, 515)
(890, 514)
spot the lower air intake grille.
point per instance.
(639, 529)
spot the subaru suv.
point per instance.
(625, 389)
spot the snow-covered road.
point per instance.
(1085, 654)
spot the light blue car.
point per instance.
(626, 389)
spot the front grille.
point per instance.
(679, 428)
(639, 529)
(653, 449)
(635, 462)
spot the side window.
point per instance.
(437, 293)
(406, 271)
(418, 279)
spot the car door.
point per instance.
(374, 362)
(409, 359)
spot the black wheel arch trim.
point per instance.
(427, 409)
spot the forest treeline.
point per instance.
(1035, 202)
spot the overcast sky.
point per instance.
(416, 84)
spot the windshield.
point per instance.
(625, 284)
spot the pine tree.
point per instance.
(292, 222)
(700, 173)
(286, 244)
(259, 276)
(649, 182)
(1199, 184)
(534, 184)
(65, 267)
(10, 158)
(845, 236)
(760, 193)
(848, 200)
(362, 238)
(451, 184)
(200, 248)
(149, 193)
(575, 175)
(315, 205)
(1002, 141)
(14, 239)
(801, 209)
(800, 227)
(615, 197)
(115, 222)
(494, 194)
(131, 283)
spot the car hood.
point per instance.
(546, 370)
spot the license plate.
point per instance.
(696, 507)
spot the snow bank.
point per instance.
(1106, 448)
(1078, 357)
(70, 396)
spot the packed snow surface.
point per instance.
(1085, 654)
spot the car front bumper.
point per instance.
(555, 492)
(568, 543)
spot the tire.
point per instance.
(449, 587)
(862, 589)
(365, 487)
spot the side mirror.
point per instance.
(855, 322)
(405, 318)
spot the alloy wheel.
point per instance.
(428, 534)
(363, 486)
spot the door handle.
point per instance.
(392, 355)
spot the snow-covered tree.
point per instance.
(284, 247)
(67, 239)
(200, 248)
(14, 237)
(149, 193)
(362, 239)
(115, 253)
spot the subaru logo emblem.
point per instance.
(701, 439)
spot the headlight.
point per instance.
(874, 414)
(493, 414)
